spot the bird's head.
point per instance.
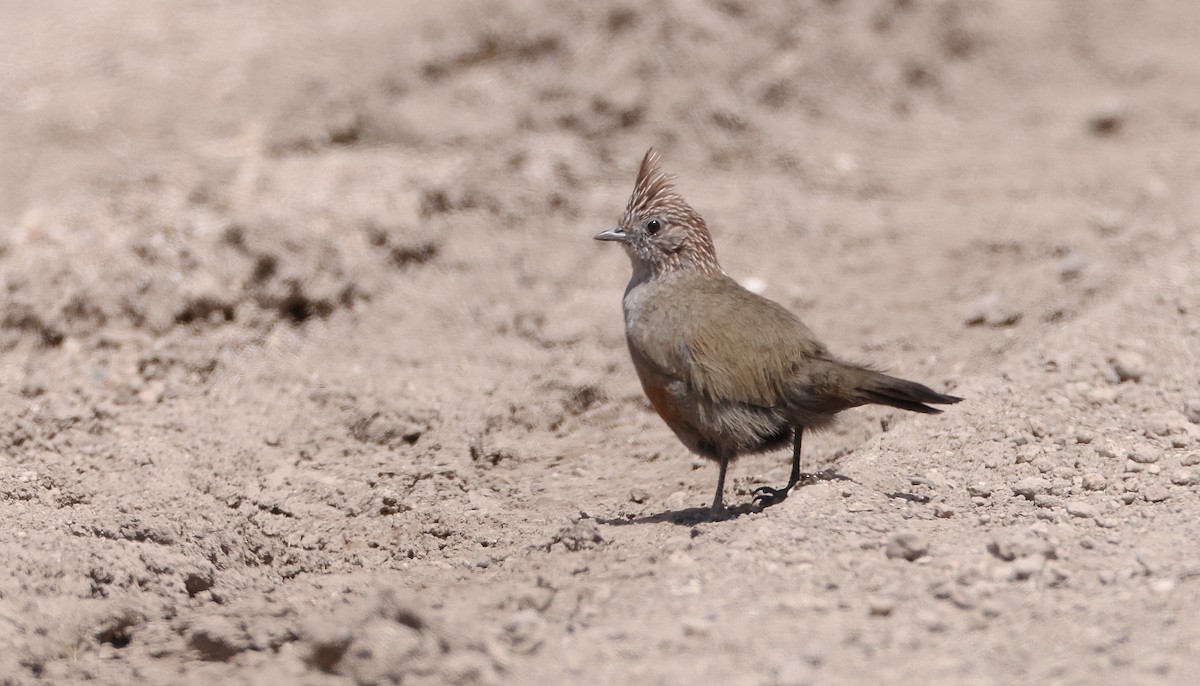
(659, 230)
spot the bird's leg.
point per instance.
(797, 475)
(718, 505)
(765, 495)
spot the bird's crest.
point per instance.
(653, 190)
(654, 196)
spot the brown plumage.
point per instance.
(730, 372)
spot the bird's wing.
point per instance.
(744, 348)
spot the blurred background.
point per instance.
(508, 127)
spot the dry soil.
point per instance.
(310, 371)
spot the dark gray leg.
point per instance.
(718, 506)
(795, 477)
(766, 496)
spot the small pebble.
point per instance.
(1106, 119)
(696, 627)
(1062, 471)
(1043, 464)
(1190, 460)
(1044, 500)
(979, 491)
(1129, 365)
(638, 495)
(907, 546)
(1056, 575)
(1156, 493)
(881, 607)
(1025, 567)
(1094, 482)
(1028, 453)
(943, 511)
(1080, 509)
(1030, 487)
(1071, 266)
(1144, 454)
(1132, 467)
(1163, 585)
(1183, 477)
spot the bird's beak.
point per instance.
(616, 233)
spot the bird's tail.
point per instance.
(882, 389)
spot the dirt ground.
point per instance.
(311, 372)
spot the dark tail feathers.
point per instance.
(882, 389)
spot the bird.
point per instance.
(729, 371)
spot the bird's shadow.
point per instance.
(691, 516)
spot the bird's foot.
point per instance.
(765, 496)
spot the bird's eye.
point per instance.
(653, 226)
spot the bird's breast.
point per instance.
(664, 402)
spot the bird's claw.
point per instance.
(765, 496)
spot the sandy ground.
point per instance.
(311, 372)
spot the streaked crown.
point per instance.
(684, 241)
